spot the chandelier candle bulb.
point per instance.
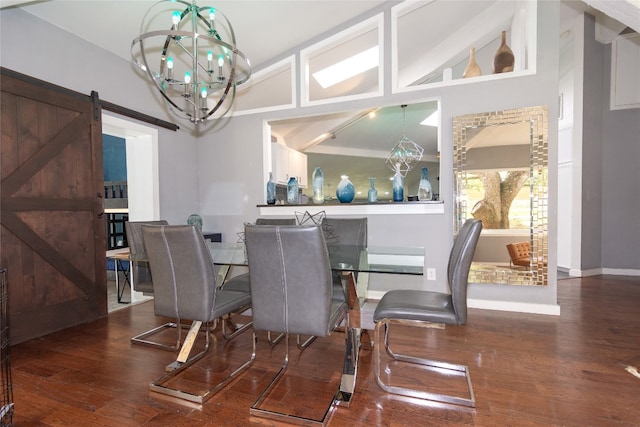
(203, 98)
(210, 62)
(169, 68)
(187, 80)
(220, 65)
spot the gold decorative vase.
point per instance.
(473, 69)
(503, 59)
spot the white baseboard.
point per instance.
(600, 271)
(519, 307)
(587, 273)
(574, 272)
(621, 271)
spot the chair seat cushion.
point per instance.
(339, 309)
(144, 287)
(229, 301)
(240, 283)
(407, 304)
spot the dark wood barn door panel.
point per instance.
(52, 237)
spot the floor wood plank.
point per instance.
(527, 370)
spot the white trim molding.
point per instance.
(600, 271)
(519, 307)
(410, 208)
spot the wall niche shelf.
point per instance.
(405, 208)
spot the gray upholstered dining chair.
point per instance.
(141, 281)
(426, 308)
(185, 288)
(141, 274)
(344, 231)
(241, 282)
(291, 287)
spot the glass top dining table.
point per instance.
(346, 258)
(350, 260)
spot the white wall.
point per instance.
(620, 183)
(598, 231)
(593, 100)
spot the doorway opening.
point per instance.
(142, 195)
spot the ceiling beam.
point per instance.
(625, 11)
(11, 3)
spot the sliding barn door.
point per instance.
(52, 236)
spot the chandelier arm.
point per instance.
(163, 55)
(149, 73)
(186, 34)
(232, 34)
(229, 86)
(174, 33)
(153, 79)
(212, 31)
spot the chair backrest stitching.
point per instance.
(173, 273)
(215, 285)
(284, 281)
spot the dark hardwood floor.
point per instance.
(527, 370)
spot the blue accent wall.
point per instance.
(114, 154)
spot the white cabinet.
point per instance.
(625, 72)
(280, 156)
(287, 163)
(298, 167)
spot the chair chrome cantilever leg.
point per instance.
(278, 416)
(273, 342)
(159, 387)
(307, 343)
(235, 330)
(142, 338)
(431, 364)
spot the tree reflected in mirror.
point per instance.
(496, 208)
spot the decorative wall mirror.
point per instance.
(500, 171)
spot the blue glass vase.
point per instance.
(292, 191)
(424, 189)
(318, 186)
(398, 187)
(195, 219)
(345, 191)
(271, 190)
(372, 195)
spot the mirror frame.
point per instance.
(537, 274)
